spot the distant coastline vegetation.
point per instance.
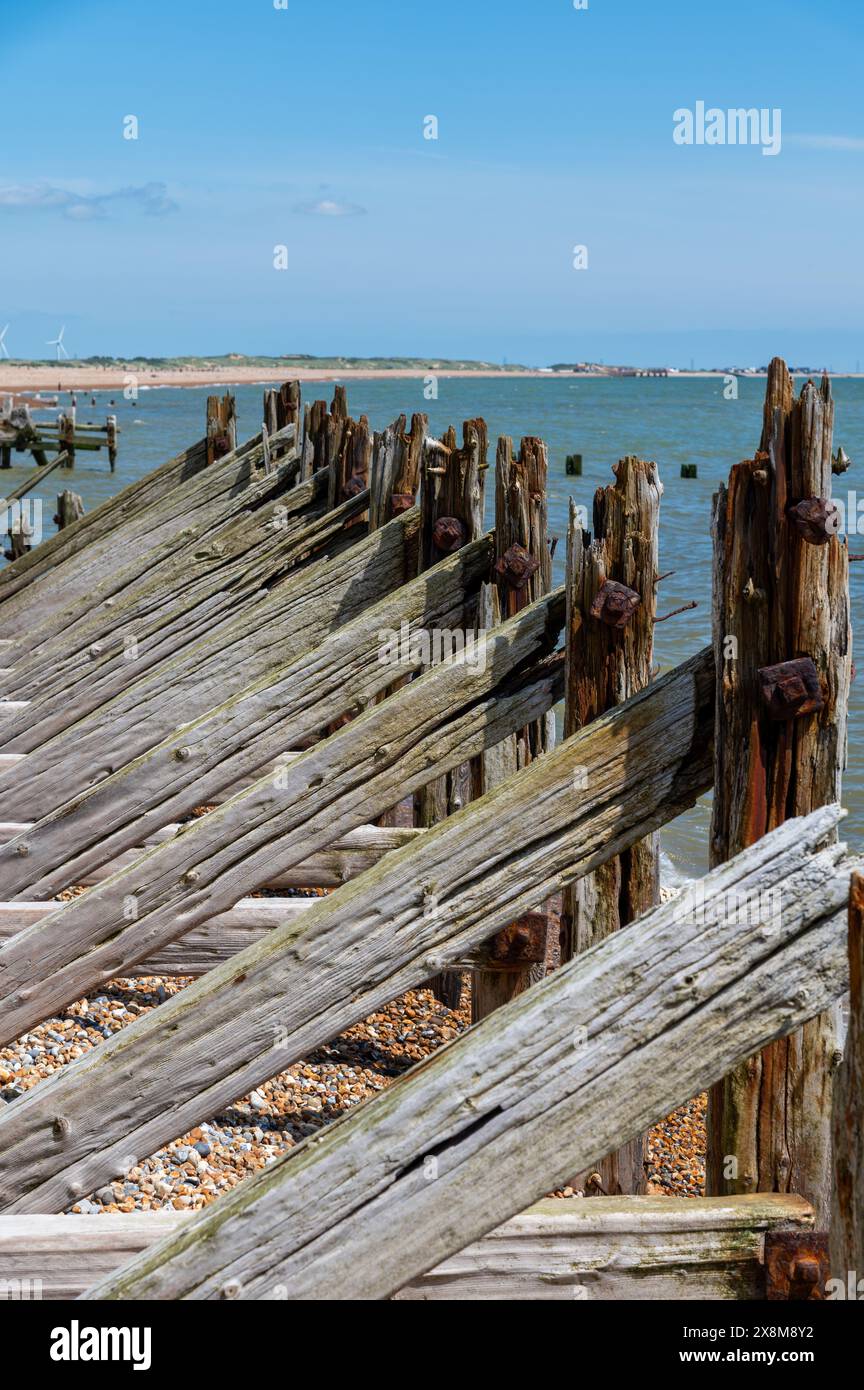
(299, 359)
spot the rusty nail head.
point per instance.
(816, 519)
(523, 942)
(449, 534)
(614, 604)
(797, 1265)
(791, 688)
(401, 502)
(354, 486)
(516, 566)
(221, 446)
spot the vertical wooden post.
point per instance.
(847, 1212)
(221, 427)
(111, 439)
(396, 463)
(5, 456)
(523, 573)
(314, 439)
(282, 408)
(782, 641)
(66, 437)
(611, 605)
(69, 508)
(452, 502)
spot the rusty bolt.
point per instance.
(791, 688)
(516, 566)
(221, 446)
(816, 519)
(523, 942)
(401, 502)
(354, 486)
(805, 1270)
(614, 604)
(449, 534)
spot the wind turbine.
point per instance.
(58, 343)
(3, 347)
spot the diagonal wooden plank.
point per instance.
(335, 786)
(231, 743)
(123, 532)
(114, 648)
(566, 1072)
(36, 571)
(291, 618)
(218, 550)
(395, 926)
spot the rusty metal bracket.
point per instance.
(516, 566)
(521, 943)
(797, 1266)
(791, 688)
(614, 603)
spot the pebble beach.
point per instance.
(214, 1157)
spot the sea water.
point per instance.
(671, 420)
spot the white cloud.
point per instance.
(329, 207)
(850, 143)
(150, 198)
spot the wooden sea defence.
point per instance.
(222, 682)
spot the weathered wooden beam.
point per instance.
(228, 933)
(228, 745)
(400, 923)
(221, 431)
(35, 479)
(229, 528)
(337, 785)
(847, 1209)
(654, 1248)
(283, 408)
(451, 508)
(114, 648)
(94, 530)
(70, 507)
(292, 618)
(570, 1070)
(777, 597)
(345, 858)
(523, 571)
(394, 476)
(606, 664)
(129, 532)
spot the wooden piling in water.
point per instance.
(70, 508)
(847, 1213)
(611, 598)
(66, 436)
(221, 427)
(781, 597)
(282, 407)
(523, 573)
(451, 510)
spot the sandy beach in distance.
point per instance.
(95, 378)
(14, 378)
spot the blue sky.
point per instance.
(303, 127)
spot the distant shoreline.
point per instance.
(93, 378)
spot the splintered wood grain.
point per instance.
(390, 929)
(605, 666)
(587, 1058)
(238, 739)
(777, 598)
(335, 786)
(847, 1212)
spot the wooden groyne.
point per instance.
(302, 633)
